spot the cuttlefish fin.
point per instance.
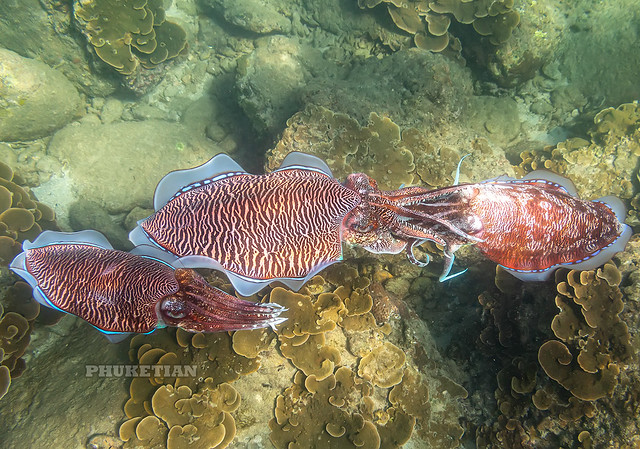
(158, 254)
(555, 179)
(218, 167)
(305, 161)
(88, 237)
(243, 285)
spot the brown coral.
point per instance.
(195, 420)
(130, 33)
(384, 365)
(17, 318)
(22, 217)
(590, 325)
(391, 157)
(428, 22)
(599, 166)
(318, 414)
(202, 404)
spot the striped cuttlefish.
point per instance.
(289, 225)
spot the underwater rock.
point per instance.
(84, 214)
(42, 30)
(35, 99)
(143, 152)
(270, 80)
(412, 87)
(281, 76)
(257, 16)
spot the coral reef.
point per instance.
(15, 331)
(548, 395)
(601, 166)
(130, 34)
(598, 338)
(333, 412)
(428, 22)
(378, 149)
(343, 392)
(22, 217)
(165, 408)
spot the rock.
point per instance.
(85, 214)
(257, 16)
(35, 99)
(271, 78)
(112, 110)
(118, 165)
(43, 30)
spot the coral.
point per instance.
(129, 34)
(590, 325)
(428, 22)
(435, 419)
(383, 366)
(22, 217)
(380, 150)
(195, 420)
(617, 122)
(328, 335)
(250, 343)
(150, 406)
(18, 310)
(328, 413)
(343, 397)
(601, 166)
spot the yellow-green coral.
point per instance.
(428, 22)
(391, 157)
(203, 411)
(127, 34)
(328, 413)
(384, 365)
(195, 420)
(589, 326)
(21, 216)
(601, 166)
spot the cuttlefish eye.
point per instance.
(363, 229)
(173, 308)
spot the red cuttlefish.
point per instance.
(121, 293)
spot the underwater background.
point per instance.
(101, 98)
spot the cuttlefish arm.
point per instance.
(121, 293)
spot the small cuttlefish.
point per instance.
(121, 293)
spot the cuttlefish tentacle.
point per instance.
(121, 293)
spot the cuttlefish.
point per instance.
(121, 293)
